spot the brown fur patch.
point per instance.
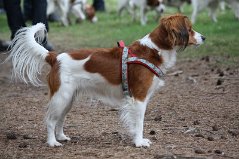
(107, 63)
(140, 77)
(192, 40)
(51, 58)
(172, 31)
(153, 3)
(53, 77)
(80, 54)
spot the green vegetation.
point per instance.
(222, 37)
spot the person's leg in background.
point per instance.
(27, 10)
(16, 20)
(1, 7)
(99, 5)
(39, 12)
(39, 8)
(14, 15)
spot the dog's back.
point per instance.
(144, 6)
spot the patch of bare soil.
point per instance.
(195, 115)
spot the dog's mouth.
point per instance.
(161, 8)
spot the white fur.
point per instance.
(133, 112)
(198, 38)
(169, 56)
(169, 59)
(78, 9)
(26, 50)
(146, 41)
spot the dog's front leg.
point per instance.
(59, 105)
(194, 14)
(139, 141)
(50, 7)
(64, 9)
(132, 116)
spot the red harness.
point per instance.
(129, 58)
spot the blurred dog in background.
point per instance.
(213, 5)
(199, 5)
(143, 5)
(177, 3)
(234, 4)
(80, 9)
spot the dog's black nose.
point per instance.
(203, 38)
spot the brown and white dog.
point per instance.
(143, 5)
(96, 72)
(79, 8)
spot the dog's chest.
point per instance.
(156, 85)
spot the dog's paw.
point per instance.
(54, 144)
(143, 143)
(62, 137)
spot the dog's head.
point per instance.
(90, 13)
(176, 31)
(157, 4)
(161, 7)
(83, 11)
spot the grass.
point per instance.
(222, 37)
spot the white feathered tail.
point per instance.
(28, 56)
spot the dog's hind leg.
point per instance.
(59, 106)
(213, 10)
(143, 18)
(234, 4)
(213, 14)
(122, 4)
(64, 9)
(132, 116)
(132, 11)
(194, 13)
(50, 7)
(59, 126)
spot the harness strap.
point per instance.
(124, 72)
(157, 71)
(121, 43)
(129, 58)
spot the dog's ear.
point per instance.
(153, 3)
(176, 28)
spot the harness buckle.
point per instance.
(121, 44)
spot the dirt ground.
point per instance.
(195, 115)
